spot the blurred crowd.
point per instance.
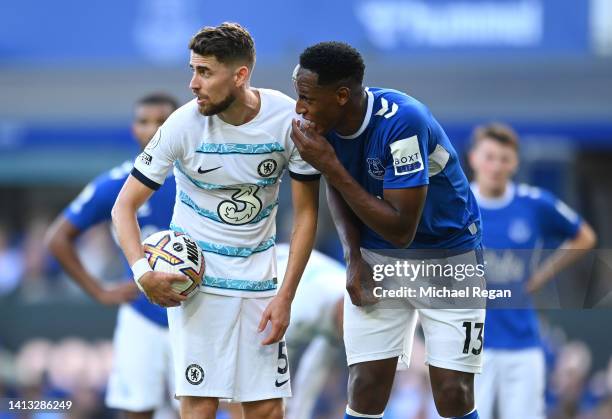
(75, 369)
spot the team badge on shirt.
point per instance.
(267, 167)
(519, 231)
(376, 168)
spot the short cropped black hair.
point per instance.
(228, 43)
(333, 62)
(158, 98)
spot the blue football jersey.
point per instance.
(401, 145)
(517, 227)
(94, 205)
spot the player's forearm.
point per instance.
(569, 252)
(306, 207)
(302, 242)
(376, 213)
(62, 247)
(128, 230)
(347, 224)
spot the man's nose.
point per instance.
(300, 108)
(194, 83)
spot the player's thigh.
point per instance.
(204, 336)
(486, 385)
(522, 382)
(454, 338)
(138, 376)
(262, 371)
(372, 333)
(263, 409)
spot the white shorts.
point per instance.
(141, 378)
(217, 350)
(453, 337)
(514, 381)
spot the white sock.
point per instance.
(351, 412)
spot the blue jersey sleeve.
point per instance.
(558, 220)
(406, 150)
(95, 202)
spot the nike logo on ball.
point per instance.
(200, 171)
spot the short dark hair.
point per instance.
(333, 62)
(228, 43)
(496, 131)
(158, 98)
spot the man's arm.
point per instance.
(568, 253)
(359, 282)
(156, 285)
(305, 197)
(60, 240)
(395, 217)
(347, 224)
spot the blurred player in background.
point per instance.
(141, 375)
(519, 221)
(394, 182)
(229, 148)
(316, 324)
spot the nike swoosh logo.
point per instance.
(282, 383)
(200, 171)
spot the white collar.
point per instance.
(494, 203)
(366, 119)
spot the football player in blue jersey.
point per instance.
(520, 222)
(141, 376)
(394, 182)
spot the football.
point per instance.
(176, 253)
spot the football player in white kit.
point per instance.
(229, 148)
(316, 321)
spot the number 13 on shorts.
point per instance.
(473, 344)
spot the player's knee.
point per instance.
(267, 409)
(198, 407)
(364, 390)
(454, 397)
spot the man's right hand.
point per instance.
(157, 287)
(117, 295)
(360, 282)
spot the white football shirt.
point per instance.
(227, 180)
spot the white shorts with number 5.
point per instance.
(217, 350)
(453, 337)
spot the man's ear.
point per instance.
(242, 75)
(343, 95)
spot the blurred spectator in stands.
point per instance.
(569, 381)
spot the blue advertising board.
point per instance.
(117, 32)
